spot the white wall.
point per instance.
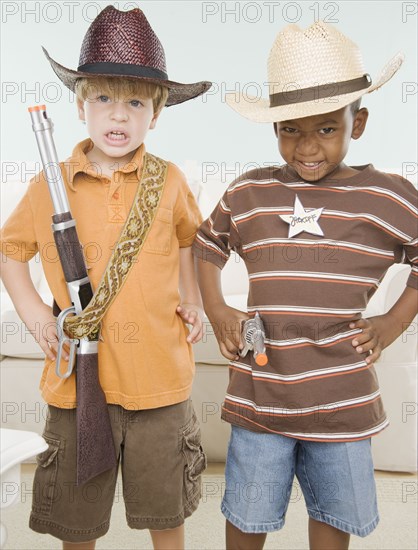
(226, 42)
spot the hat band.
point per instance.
(125, 69)
(318, 92)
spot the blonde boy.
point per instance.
(145, 358)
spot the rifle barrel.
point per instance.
(43, 127)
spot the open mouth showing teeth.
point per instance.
(116, 135)
(311, 164)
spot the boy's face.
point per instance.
(116, 127)
(315, 146)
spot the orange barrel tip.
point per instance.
(261, 359)
(37, 108)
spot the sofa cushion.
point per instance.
(396, 447)
(16, 340)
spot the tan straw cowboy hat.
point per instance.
(122, 43)
(310, 72)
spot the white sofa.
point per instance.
(21, 360)
(16, 446)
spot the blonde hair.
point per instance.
(122, 88)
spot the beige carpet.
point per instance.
(397, 497)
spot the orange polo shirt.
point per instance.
(144, 359)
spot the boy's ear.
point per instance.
(153, 122)
(80, 108)
(359, 123)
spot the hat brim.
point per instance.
(258, 109)
(178, 92)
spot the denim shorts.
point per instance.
(336, 479)
(161, 462)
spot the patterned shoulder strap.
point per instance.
(131, 241)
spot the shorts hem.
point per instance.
(344, 526)
(155, 524)
(48, 527)
(159, 524)
(251, 527)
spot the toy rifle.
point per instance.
(253, 335)
(95, 447)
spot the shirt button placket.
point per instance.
(115, 206)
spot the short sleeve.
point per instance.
(187, 216)
(406, 221)
(18, 238)
(411, 257)
(217, 236)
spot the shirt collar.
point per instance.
(79, 163)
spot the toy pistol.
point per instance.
(253, 335)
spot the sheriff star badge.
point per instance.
(303, 220)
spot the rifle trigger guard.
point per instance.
(63, 338)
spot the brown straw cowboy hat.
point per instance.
(123, 44)
(311, 72)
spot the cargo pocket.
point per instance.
(45, 490)
(194, 459)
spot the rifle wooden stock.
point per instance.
(95, 447)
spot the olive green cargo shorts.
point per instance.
(161, 461)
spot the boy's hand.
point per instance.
(380, 331)
(227, 324)
(41, 323)
(35, 314)
(192, 315)
(370, 340)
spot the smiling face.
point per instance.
(316, 146)
(116, 125)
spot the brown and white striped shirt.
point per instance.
(308, 289)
